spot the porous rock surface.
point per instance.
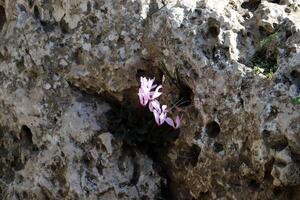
(60, 59)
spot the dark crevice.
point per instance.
(15, 150)
(185, 95)
(218, 147)
(253, 184)
(36, 12)
(47, 25)
(296, 157)
(64, 26)
(188, 157)
(295, 76)
(212, 129)
(264, 59)
(30, 3)
(136, 127)
(185, 92)
(213, 27)
(275, 1)
(251, 5)
(2, 17)
(26, 134)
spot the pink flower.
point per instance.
(154, 105)
(171, 122)
(156, 93)
(145, 90)
(145, 94)
(160, 112)
(160, 115)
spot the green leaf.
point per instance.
(264, 42)
(296, 100)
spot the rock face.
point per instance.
(232, 68)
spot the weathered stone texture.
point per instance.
(64, 64)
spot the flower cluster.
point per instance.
(148, 93)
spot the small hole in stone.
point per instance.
(2, 17)
(277, 191)
(295, 74)
(251, 5)
(26, 134)
(36, 12)
(185, 95)
(78, 56)
(30, 3)
(212, 129)
(278, 145)
(218, 147)
(266, 133)
(64, 26)
(213, 27)
(47, 25)
(295, 157)
(253, 184)
(140, 73)
(275, 1)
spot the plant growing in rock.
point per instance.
(296, 100)
(264, 60)
(147, 95)
(144, 122)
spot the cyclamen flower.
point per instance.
(160, 115)
(171, 122)
(147, 96)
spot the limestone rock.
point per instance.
(232, 65)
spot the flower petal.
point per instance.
(170, 122)
(178, 122)
(156, 93)
(156, 117)
(162, 117)
(156, 105)
(163, 108)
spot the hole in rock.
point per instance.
(218, 147)
(253, 184)
(295, 75)
(185, 95)
(295, 157)
(251, 5)
(265, 59)
(212, 129)
(204, 195)
(48, 26)
(277, 191)
(26, 134)
(78, 56)
(2, 17)
(64, 27)
(279, 145)
(30, 3)
(139, 73)
(188, 156)
(136, 127)
(268, 170)
(36, 12)
(213, 27)
(275, 1)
